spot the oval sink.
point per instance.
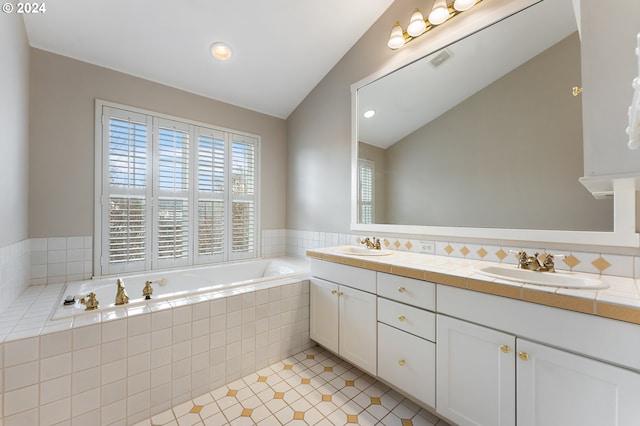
(553, 279)
(362, 251)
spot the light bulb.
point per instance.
(396, 38)
(416, 24)
(220, 51)
(462, 5)
(440, 12)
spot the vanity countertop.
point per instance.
(621, 301)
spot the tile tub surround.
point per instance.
(124, 366)
(312, 387)
(621, 301)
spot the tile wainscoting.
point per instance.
(126, 367)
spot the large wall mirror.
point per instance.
(481, 137)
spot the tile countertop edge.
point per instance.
(471, 280)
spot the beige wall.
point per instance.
(517, 167)
(320, 128)
(63, 93)
(14, 136)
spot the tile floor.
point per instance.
(313, 387)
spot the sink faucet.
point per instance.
(121, 293)
(532, 263)
(373, 245)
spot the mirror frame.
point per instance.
(622, 187)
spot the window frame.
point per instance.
(152, 192)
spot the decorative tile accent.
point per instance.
(375, 400)
(278, 395)
(246, 412)
(262, 379)
(408, 245)
(601, 264)
(349, 383)
(288, 367)
(482, 252)
(352, 418)
(305, 381)
(571, 261)
(501, 254)
(196, 409)
(298, 415)
(465, 251)
(397, 244)
(232, 392)
(448, 249)
(326, 398)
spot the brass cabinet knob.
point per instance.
(340, 293)
(402, 362)
(505, 349)
(401, 318)
(334, 292)
(524, 356)
(401, 289)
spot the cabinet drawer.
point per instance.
(362, 279)
(407, 362)
(407, 290)
(407, 318)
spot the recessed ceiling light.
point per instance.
(369, 113)
(220, 51)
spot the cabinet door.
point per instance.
(358, 340)
(407, 362)
(475, 374)
(557, 388)
(323, 312)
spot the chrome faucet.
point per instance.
(121, 293)
(372, 244)
(532, 263)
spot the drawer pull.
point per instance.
(505, 349)
(402, 362)
(401, 289)
(524, 356)
(340, 293)
(334, 292)
(401, 318)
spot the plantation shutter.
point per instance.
(172, 193)
(243, 197)
(211, 191)
(366, 169)
(126, 191)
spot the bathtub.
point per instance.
(206, 281)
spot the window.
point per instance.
(170, 192)
(366, 177)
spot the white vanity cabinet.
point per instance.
(490, 377)
(343, 312)
(475, 374)
(406, 336)
(556, 387)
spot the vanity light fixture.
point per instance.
(441, 11)
(221, 51)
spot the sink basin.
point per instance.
(362, 251)
(553, 279)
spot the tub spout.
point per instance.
(121, 294)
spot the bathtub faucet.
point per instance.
(147, 291)
(89, 301)
(121, 293)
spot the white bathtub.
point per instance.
(207, 280)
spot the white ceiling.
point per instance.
(281, 48)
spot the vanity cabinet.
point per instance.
(406, 336)
(556, 387)
(343, 312)
(491, 377)
(475, 374)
